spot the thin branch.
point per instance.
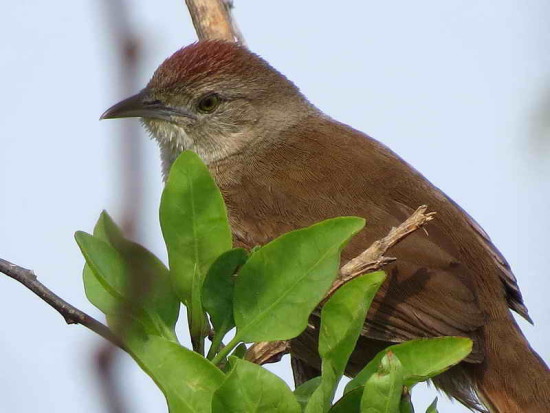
(72, 315)
(229, 6)
(212, 20)
(267, 351)
(372, 259)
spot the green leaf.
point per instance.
(196, 231)
(217, 291)
(251, 388)
(305, 390)
(187, 379)
(349, 403)
(147, 271)
(98, 295)
(432, 408)
(281, 283)
(405, 405)
(106, 263)
(194, 223)
(422, 359)
(106, 271)
(383, 389)
(342, 319)
(106, 279)
(240, 351)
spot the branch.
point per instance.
(228, 4)
(267, 351)
(372, 259)
(212, 20)
(72, 315)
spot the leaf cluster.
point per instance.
(263, 295)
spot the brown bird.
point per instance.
(282, 164)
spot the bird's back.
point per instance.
(448, 280)
(320, 169)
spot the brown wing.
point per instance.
(428, 292)
(324, 170)
(513, 293)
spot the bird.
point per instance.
(282, 164)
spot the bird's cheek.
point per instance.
(168, 133)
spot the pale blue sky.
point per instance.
(453, 87)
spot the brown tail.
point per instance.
(512, 378)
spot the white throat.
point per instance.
(173, 139)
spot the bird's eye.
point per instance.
(209, 103)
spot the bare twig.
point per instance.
(372, 259)
(212, 20)
(228, 4)
(72, 315)
(267, 351)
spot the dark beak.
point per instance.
(143, 106)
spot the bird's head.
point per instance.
(215, 98)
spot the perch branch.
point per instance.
(212, 20)
(372, 259)
(228, 4)
(267, 351)
(72, 315)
